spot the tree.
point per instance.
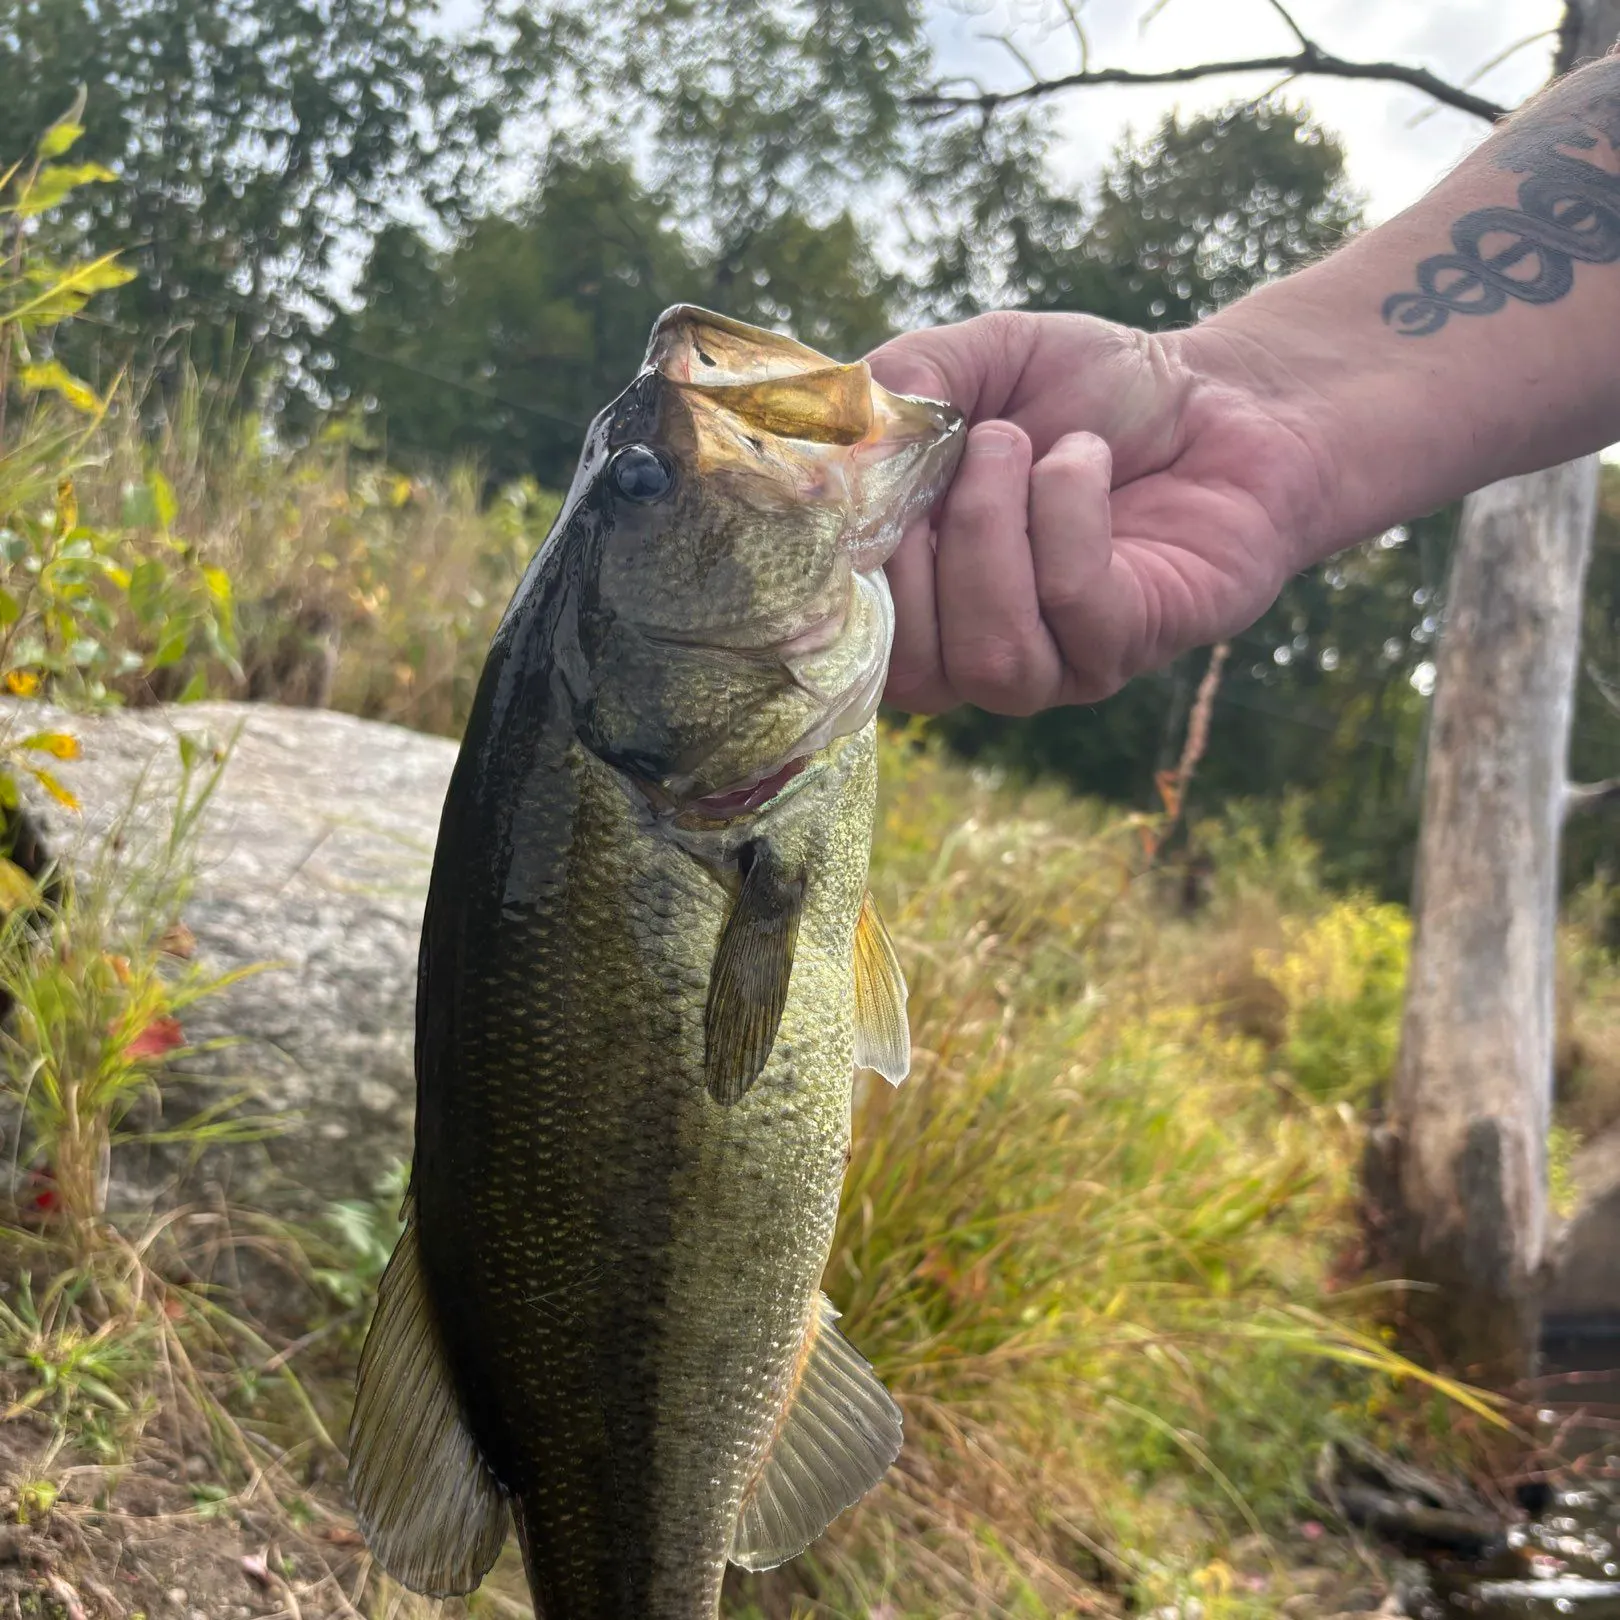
(252, 139)
(506, 345)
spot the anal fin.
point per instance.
(430, 1509)
(837, 1440)
(882, 1037)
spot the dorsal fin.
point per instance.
(430, 1509)
(882, 1038)
(838, 1436)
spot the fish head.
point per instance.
(741, 497)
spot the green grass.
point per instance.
(1094, 1242)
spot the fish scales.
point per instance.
(620, 1210)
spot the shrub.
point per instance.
(89, 609)
(1343, 976)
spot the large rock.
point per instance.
(314, 857)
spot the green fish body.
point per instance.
(649, 970)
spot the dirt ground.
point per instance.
(158, 1539)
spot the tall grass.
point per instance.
(355, 587)
(1092, 1242)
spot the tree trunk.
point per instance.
(1588, 31)
(1456, 1177)
(1458, 1173)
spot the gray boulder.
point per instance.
(314, 857)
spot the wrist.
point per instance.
(1246, 364)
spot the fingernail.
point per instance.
(994, 440)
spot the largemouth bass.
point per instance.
(649, 971)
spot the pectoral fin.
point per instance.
(882, 1038)
(840, 1433)
(430, 1509)
(752, 967)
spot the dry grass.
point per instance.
(1093, 1242)
(355, 587)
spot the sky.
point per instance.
(1396, 144)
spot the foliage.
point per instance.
(756, 110)
(85, 609)
(1204, 210)
(355, 585)
(88, 610)
(250, 140)
(364, 1231)
(507, 344)
(96, 978)
(1090, 1243)
(1343, 978)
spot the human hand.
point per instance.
(1122, 498)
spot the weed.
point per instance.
(89, 606)
(1342, 976)
(1088, 1241)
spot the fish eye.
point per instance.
(642, 474)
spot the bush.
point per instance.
(90, 609)
(1343, 977)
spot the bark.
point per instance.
(1588, 31)
(1457, 1176)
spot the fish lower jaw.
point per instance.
(757, 793)
(746, 797)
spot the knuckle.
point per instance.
(996, 672)
(917, 692)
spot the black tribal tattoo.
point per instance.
(1569, 212)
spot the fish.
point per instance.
(650, 970)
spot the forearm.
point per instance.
(1473, 337)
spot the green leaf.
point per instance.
(219, 585)
(55, 181)
(10, 608)
(58, 138)
(58, 744)
(163, 502)
(172, 648)
(146, 590)
(66, 292)
(196, 689)
(53, 377)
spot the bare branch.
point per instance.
(1293, 27)
(1311, 60)
(1077, 28)
(1582, 796)
(1503, 55)
(1010, 46)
